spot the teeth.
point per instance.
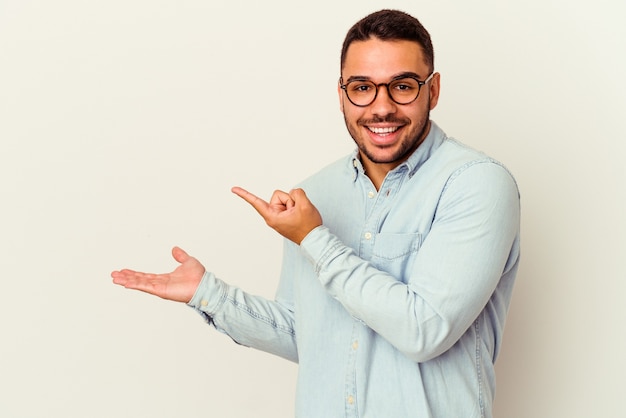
(381, 131)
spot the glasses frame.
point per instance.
(344, 87)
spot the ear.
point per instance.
(340, 95)
(435, 85)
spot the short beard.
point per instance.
(407, 147)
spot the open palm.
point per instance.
(179, 285)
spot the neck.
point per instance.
(377, 171)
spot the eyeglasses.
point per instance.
(402, 90)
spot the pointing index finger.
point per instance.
(257, 203)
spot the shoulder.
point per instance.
(462, 163)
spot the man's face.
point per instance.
(385, 132)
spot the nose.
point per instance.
(383, 105)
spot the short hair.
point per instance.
(390, 25)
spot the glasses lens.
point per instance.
(361, 93)
(404, 90)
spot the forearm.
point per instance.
(249, 320)
(383, 302)
(426, 301)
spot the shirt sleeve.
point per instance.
(249, 320)
(472, 244)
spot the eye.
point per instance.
(404, 85)
(360, 87)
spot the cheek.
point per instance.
(349, 114)
(420, 111)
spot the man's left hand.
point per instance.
(291, 214)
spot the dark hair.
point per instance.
(390, 25)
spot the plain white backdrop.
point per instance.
(123, 125)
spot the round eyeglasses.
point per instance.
(402, 90)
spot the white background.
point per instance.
(123, 125)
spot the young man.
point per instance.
(399, 261)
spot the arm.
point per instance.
(249, 320)
(453, 276)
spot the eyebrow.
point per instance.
(399, 76)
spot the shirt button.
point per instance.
(355, 345)
(368, 235)
(204, 302)
(350, 399)
(371, 194)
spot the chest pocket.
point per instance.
(394, 253)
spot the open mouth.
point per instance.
(383, 131)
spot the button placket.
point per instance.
(350, 388)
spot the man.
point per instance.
(399, 261)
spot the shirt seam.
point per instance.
(479, 376)
(319, 266)
(244, 308)
(469, 164)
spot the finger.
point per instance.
(123, 276)
(298, 194)
(129, 275)
(257, 203)
(180, 255)
(137, 280)
(280, 198)
(145, 283)
(118, 278)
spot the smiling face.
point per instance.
(385, 132)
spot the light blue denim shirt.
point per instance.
(395, 307)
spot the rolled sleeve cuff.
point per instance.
(318, 246)
(209, 296)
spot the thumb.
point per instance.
(298, 194)
(179, 255)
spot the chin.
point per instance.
(385, 157)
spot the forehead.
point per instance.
(378, 59)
